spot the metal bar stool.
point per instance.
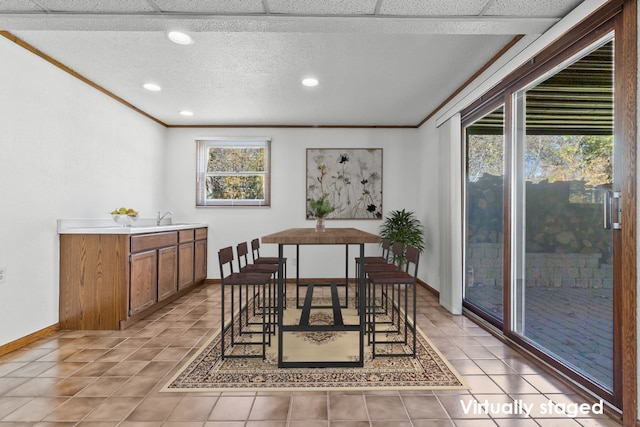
(271, 305)
(383, 259)
(382, 307)
(239, 280)
(257, 259)
(401, 282)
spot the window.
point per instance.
(233, 172)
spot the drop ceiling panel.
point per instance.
(211, 6)
(432, 8)
(19, 6)
(531, 8)
(323, 7)
(96, 6)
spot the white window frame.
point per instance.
(202, 148)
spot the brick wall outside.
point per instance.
(485, 266)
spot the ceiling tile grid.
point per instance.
(409, 8)
(211, 6)
(95, 6)
(323, 7)
(557, 8)
(19, 6)
(432, 7)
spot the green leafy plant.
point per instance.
(403, 226)
(319, 208)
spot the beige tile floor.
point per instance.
(112, 378)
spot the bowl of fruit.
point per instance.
(124, 217)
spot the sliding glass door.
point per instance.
(542, 212)
(564, 214)
(484, 194)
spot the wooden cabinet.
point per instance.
(167, 272)
(192, 257)
(153, 269)
(185, 258)
(200, 262)
(94, 280)
(108, 281)
(144, 283)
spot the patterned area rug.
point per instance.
(205, 371)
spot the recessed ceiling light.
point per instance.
(310, 82)
(152, 87)
(180, 37)
(186, 113)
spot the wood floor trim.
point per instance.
(29, 339)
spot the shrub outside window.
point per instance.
(233, 172)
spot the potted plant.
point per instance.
(319, 208)
(403, 226)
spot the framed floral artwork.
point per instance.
(350, 179)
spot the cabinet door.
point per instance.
(143, 287)
(185, 265)
(200, 265)
(167, 272)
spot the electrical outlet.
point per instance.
(3, 274)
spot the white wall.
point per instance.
(402, 157)
(440, 189)
(66, 151)
(450, 185)
(430, 171)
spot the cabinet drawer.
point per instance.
(201, 233)
(186, 236)
(146, 242)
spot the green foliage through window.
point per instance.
(233, 172)
(236, 159)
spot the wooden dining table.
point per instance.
(331, 236)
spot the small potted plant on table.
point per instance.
(319, 208)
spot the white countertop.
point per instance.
(108, 226)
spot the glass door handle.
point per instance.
(612, 214)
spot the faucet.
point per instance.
(161, 217)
